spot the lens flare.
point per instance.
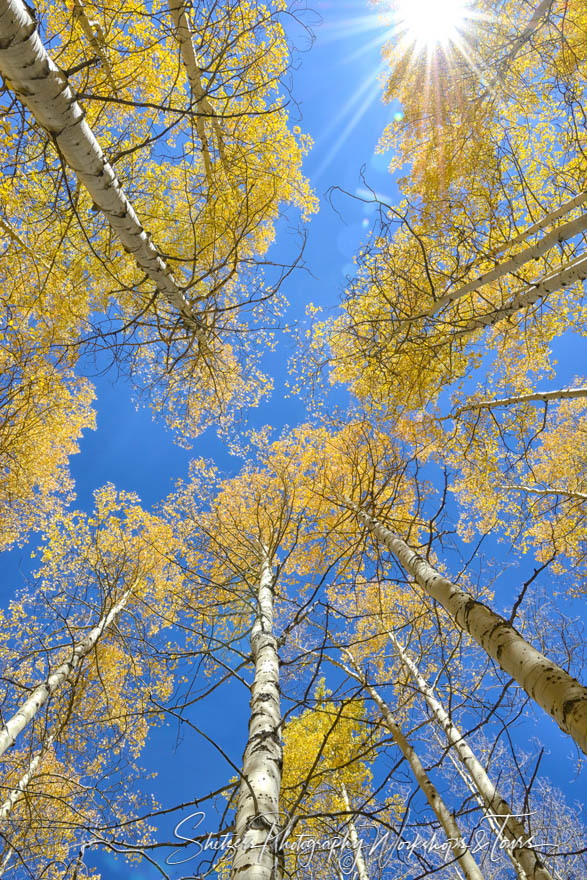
(427, 23)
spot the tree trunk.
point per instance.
(447, 821)
(565, 208)
(194, 74)
(539, 13)
(87, 26)
(60, 676)
(257, 813)
(575, 270)
(358, 860)
(558, 693)
(510, 827)
(521, 874)
(5, 864)
(18, 791)
(535, 490)
(43, 88)
(533, 396)
(561, 233)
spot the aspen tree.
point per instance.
(209, 245)
(52, 101)
(194, 74)
(564, 209)
(533, 396)
(266, 506)
(399, 370)
(257, 812)
(26, 65)
(90, 715)
(471, 278)
(232, 538)
(359, 860)
(459, 848)
(560, 695)
(567, 231)
(23, 782)
(64, 673)
(119, 540)
(494, 803)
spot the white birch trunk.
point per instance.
(534, 396)
(448, 823)
(257, 812)
(194, 75)
(558, 693)
(16, 793)
(43, 88)
(565, 208)
(356, 845)
(510, 827)
(64, 673)
(561, 233)
(575, 270)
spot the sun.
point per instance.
(429, 23)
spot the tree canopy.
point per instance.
(347, 644)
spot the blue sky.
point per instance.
(339, 98)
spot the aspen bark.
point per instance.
(257, 812)
(534, 490)
(531, 397)
(558, 693)
(357, 848)
(475, 792)
(575, 270)
(565, 208)
(42, 87)
(62, 674)
(510, 827)
(5, 864)
(448, 823)
(540, 12)
(18, 791)
(194, 75)
(561, 233)
(88, 28)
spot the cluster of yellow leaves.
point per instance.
(43, 820)
(295, 499)
(539, 500)
(326, 750)
(44, 411)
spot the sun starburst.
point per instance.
(430, 23)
